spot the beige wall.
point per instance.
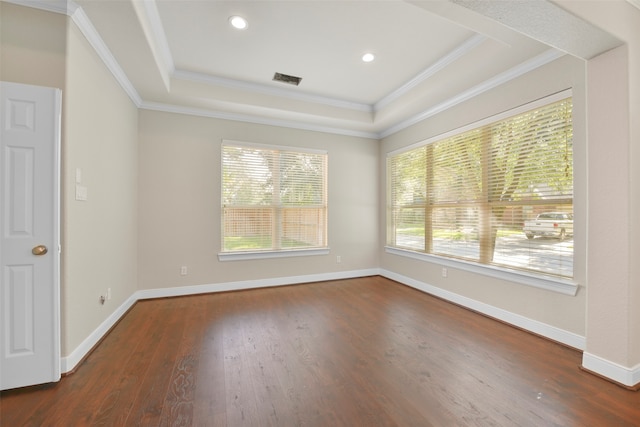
(613, 306)
(551, 308)
(34, 46)
(608, 158)
(99, 135)
(153, 210)
(99, 235)
(179, 193)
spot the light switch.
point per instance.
(81, 193)
(78, 175)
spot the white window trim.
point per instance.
(550, 99)
(551, 283)
(555, 284)
(273, 146)
(243, 256)
(280, 253)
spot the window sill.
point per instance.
(563, 286)
(241, 256)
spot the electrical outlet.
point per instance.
(338, 259)
(108, 293)
(183, 270)
(445, 272)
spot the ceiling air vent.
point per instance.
(284, 78)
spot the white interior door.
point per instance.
(29, 241)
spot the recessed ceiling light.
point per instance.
(368, 57)
(238, 22)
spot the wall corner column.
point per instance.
(612, 295)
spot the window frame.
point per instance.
(560, 284)
(282, 252)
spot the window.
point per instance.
(500, 193)
(273, 198)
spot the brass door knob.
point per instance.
(39, 250)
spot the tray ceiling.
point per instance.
(184, 56)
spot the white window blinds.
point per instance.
(469, 195)
(273, 198)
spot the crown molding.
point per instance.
(159, 36)
(248, 118)
(635, 3)
(463, 49)
(443, 62)
(71, 9)
(164, 59)
(160, 43)
(269, 90)
(151, 25)
(517, 71)
(63, 7)
(91, 34)
(77, 15)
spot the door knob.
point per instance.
(39, 250)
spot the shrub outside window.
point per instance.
(273, 198)
(478, 195)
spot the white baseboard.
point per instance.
(69, 363)
(252, 284)
(629, 377)
(543, 329)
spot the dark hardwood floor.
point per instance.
(359, 352)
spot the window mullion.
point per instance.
(485, 230)
(276, 230)
(468, 195)
(272, 199)
(428, 201)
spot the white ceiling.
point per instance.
(183, 56)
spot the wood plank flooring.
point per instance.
(359, 352)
